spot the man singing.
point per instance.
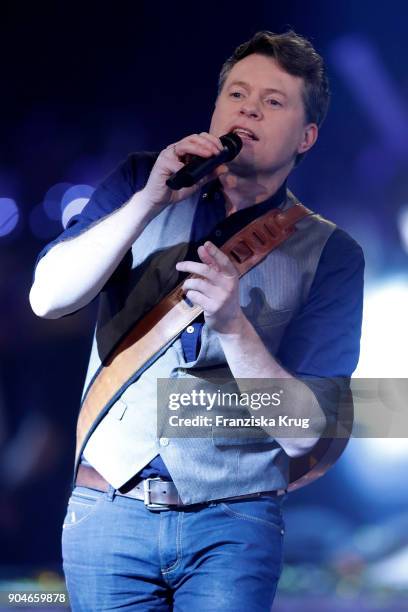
(157, 522)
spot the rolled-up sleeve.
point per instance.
(321, 345)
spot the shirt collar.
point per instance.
(213, 191)
(218, 228)
(210, 222)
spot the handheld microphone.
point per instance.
(199, 167)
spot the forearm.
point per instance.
(74, 271)
(248, 358)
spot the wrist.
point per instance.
(144, 206)
(236, 327)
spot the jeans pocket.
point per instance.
(81, 506)
(263, 510)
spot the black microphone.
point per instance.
(199, 167)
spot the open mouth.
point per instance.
(245, 134)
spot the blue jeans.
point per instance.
(214, 557)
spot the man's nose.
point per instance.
(250, 109)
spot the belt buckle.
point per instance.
(147, 501)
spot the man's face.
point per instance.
(259, 96)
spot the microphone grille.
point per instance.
(233, 143)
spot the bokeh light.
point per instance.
(74, 200)
(9, 216)
(384, 347)
(75, 192)
(73, 208)
(52, 200)
(378, 466)
(402, 220)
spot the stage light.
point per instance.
(62, 201)
(9, 216)
(76, 192)
(74, 200)
(377, 467)
(73, 208)
(402, 222)
(384, 337)
(52, 200)
(391, 449)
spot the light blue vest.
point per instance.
(271, 294)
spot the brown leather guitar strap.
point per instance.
(156, 330)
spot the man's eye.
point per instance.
(235, 94)
(273, 102)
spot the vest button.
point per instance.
(190, 329)
(164, 441)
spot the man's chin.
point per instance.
(243, 166)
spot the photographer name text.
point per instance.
(251, 421)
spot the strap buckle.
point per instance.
(147, 496)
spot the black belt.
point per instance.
(156, 493)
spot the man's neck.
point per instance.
(243, 191)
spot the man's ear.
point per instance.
(310, 134)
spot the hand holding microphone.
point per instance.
(198, 167)
(182, 168)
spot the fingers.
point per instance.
(215, 258)
(195, 145)
(204, 145)
(214, 284)
(201, 300)
(199, 290)
(195, 267)
(213, 140)
(199, 284)
(213, 262)
(171, 160)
